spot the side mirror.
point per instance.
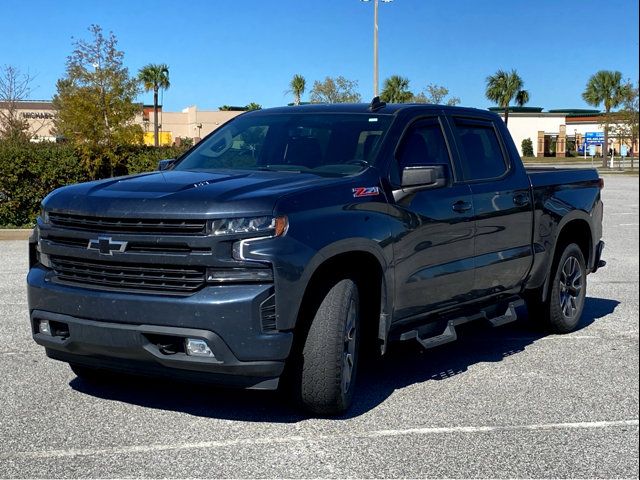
(420, 177)
(166, 164)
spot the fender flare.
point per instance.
(570, 217)
(359, 245)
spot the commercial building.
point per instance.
(189, 123)
(556, 133)
(553, 133)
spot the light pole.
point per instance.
(375, 43)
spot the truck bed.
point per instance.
(547, 176)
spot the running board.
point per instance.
(511, 315)
(450, 334)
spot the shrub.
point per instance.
(140, 159)
(527, 147)
(28, 172)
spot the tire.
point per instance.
(329, 359)
(568, 291)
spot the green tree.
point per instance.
(436, 94)
(94, 103)
(253, 106)
(625, 125)
(527, 147)
(297, 86)
(522, 98)
(503, 87)
(395, 89)
(338, 90)
(153, 78)
(605, 88)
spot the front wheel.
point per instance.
(568, 292)
(330, 353)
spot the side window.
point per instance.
(482, 157)
(423, 144)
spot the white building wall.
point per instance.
(527, 125)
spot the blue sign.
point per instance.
(623, 150)
(594, 138)
(592, 150)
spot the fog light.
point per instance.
(197, 348)
(44, 327)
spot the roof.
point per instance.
(31, 104)
(575, 111)
(388, 109)
(517, 109)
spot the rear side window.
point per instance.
(482, 156)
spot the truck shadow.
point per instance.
(404, 365)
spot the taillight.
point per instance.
(601, 183)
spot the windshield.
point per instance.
(320, 143)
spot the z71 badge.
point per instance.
(365, 191)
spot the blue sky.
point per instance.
(238, 51)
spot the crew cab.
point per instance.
(290, 239)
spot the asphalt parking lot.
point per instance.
(509, 402)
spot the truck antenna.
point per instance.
(376, 104)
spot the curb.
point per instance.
(15, 233)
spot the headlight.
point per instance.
(267, 226)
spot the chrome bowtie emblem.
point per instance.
(106, 246)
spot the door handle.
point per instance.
(461, 206)
(521, 199)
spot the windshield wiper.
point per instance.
(267, 168)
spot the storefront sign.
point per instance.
(38, 115)
(594, 138)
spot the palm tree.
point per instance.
(396, 90)
(154, 77)
(522, 97)
(503, 87)
(605, 87)
(298, 85)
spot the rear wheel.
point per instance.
(562, 310)
(568, 292)
(330, 353)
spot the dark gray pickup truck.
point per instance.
(290, 238)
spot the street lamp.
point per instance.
(375, 43)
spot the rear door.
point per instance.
(502, 203)
(433, 250)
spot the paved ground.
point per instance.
(499, 403)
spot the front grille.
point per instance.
(129, 225)
(128, 277)
(133, 247)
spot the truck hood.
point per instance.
(186, 194)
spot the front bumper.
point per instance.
(117, 331)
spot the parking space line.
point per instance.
(133, 449)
